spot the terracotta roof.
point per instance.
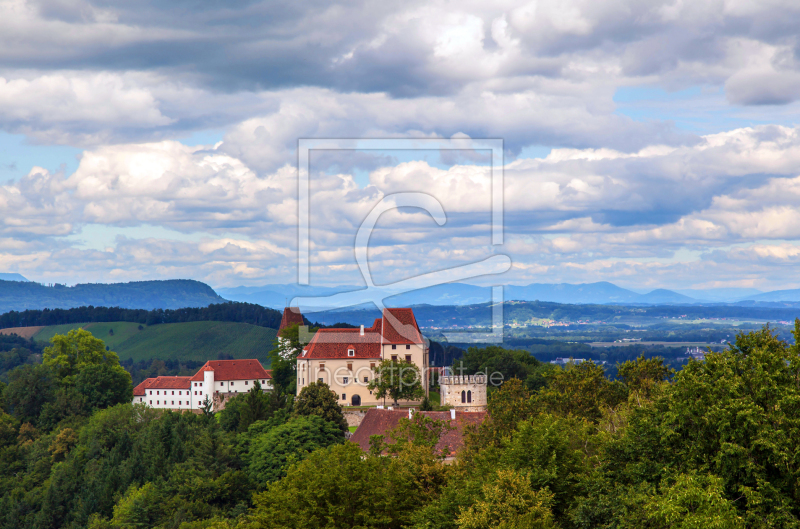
(400, 326)
(162, 383)
(335, 343)
(233, 370)
(380, 422)
(291, 316)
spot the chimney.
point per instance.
(452, 414)
(362, 330)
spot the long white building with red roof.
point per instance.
(345, 359)
(216, 381)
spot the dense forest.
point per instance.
(714, 445)
(229, 311)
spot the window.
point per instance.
(408, 358)
(199, 403)
(372, 365)
(220, 384)
(232, 383)
(351, 352)
(408, 346)
(394, 346)
(158, 393)
(344, 397)
(195, 393)
(151, 403)
(263, 382)
(246, 382)
(321, 367)
(345, 380)
(394, 358)
(173, 403)
(180, 403)
(349, 366)
(366, 379)
(151, 392)
(195, 384)
(463, 396)
(201, 384)
(469, 396)
(173, 392)
(158, 402)
(319, 380)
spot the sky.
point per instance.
(653, 144)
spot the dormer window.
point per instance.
(351, 352)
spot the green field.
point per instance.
(201, 340)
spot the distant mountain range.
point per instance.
(17, 293)
(603, 292)
(169, 294)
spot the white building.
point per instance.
(216, 380)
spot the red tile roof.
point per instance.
(291, 316)
(335, 343)
(380, 422)
(400, 326)
(397, 326)
(233, 370)
(162, 383)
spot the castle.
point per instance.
(345, 359)
(215, 381)
(464, 392)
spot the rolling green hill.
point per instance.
(200, 340)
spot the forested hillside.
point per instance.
(169, 294)
(229, 311)
(713, 445)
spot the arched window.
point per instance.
(469, 396)
(463, 396)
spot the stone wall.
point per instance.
(354, 418)
(452, 386)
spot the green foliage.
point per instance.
(643, 374)
(504, 364)
(397, 380)
(75, 351)
(713, 447)
(509, 502)
(581, 390)
(272, 452)
(104, 385)
(318, 399)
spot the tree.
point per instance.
(318, 399)
(283, 360)
(255, 407)
(104, 385)
(580, 390)
(509, 503)
(74, 351)
(643, 374)
(270, 454)
(397, 380)
(29, 389)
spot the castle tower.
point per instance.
(464, 392)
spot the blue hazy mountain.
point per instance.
(276, 296)
(720, 295)
(775, 295)
(12, 277)
(169, 294)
